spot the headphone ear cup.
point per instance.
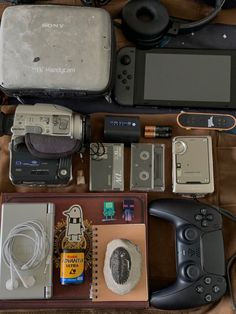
(145, 21)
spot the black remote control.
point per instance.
(213, 121)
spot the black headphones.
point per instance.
(146, 22)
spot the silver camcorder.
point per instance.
(49, 119)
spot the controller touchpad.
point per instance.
(213, 253)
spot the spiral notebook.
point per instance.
(103, 234)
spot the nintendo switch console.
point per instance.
(183, 78)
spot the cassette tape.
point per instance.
(106, 167)
(147, 167)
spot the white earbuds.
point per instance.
(34, 231)
(12, 284)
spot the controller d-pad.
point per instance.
(204, 217)
(203, 211)
(204, 223)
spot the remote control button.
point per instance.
(124, 72)
(125, 60)
(203, 211)
(129, 77)
(198, 217)
(190, 234)
(192, 272)
(119, 76)
(204, 223)
(208, 298)
(199, 289)
(124, 81)
(209, 217)
(216, 289)
(207, 280)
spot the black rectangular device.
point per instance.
(30, 170)
(119, 128)
(166, 77)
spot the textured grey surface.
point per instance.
(55, 47)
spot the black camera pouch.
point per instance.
(50, 147)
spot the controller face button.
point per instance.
(204, 223)
(208, 298)
(207, 280)
(199, 289)
(203, 211)
(198, 217)
(209, 217)
(192, 272)
(124, 72)
(190, 234)
(216, 289)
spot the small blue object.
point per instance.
(128, 210)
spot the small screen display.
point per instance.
(187, 77)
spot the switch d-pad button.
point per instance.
(192, 272)
(190, 234)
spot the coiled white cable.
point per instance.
(34, 231)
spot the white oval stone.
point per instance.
(122, 266)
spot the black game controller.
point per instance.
(199, 251)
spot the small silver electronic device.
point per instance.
(26, 246)
(192, 165)
(56, 50)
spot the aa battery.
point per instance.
(152, 131)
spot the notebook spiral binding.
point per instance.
(95, 264)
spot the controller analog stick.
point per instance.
(192, 272)
(190, 234)
(125, 60)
